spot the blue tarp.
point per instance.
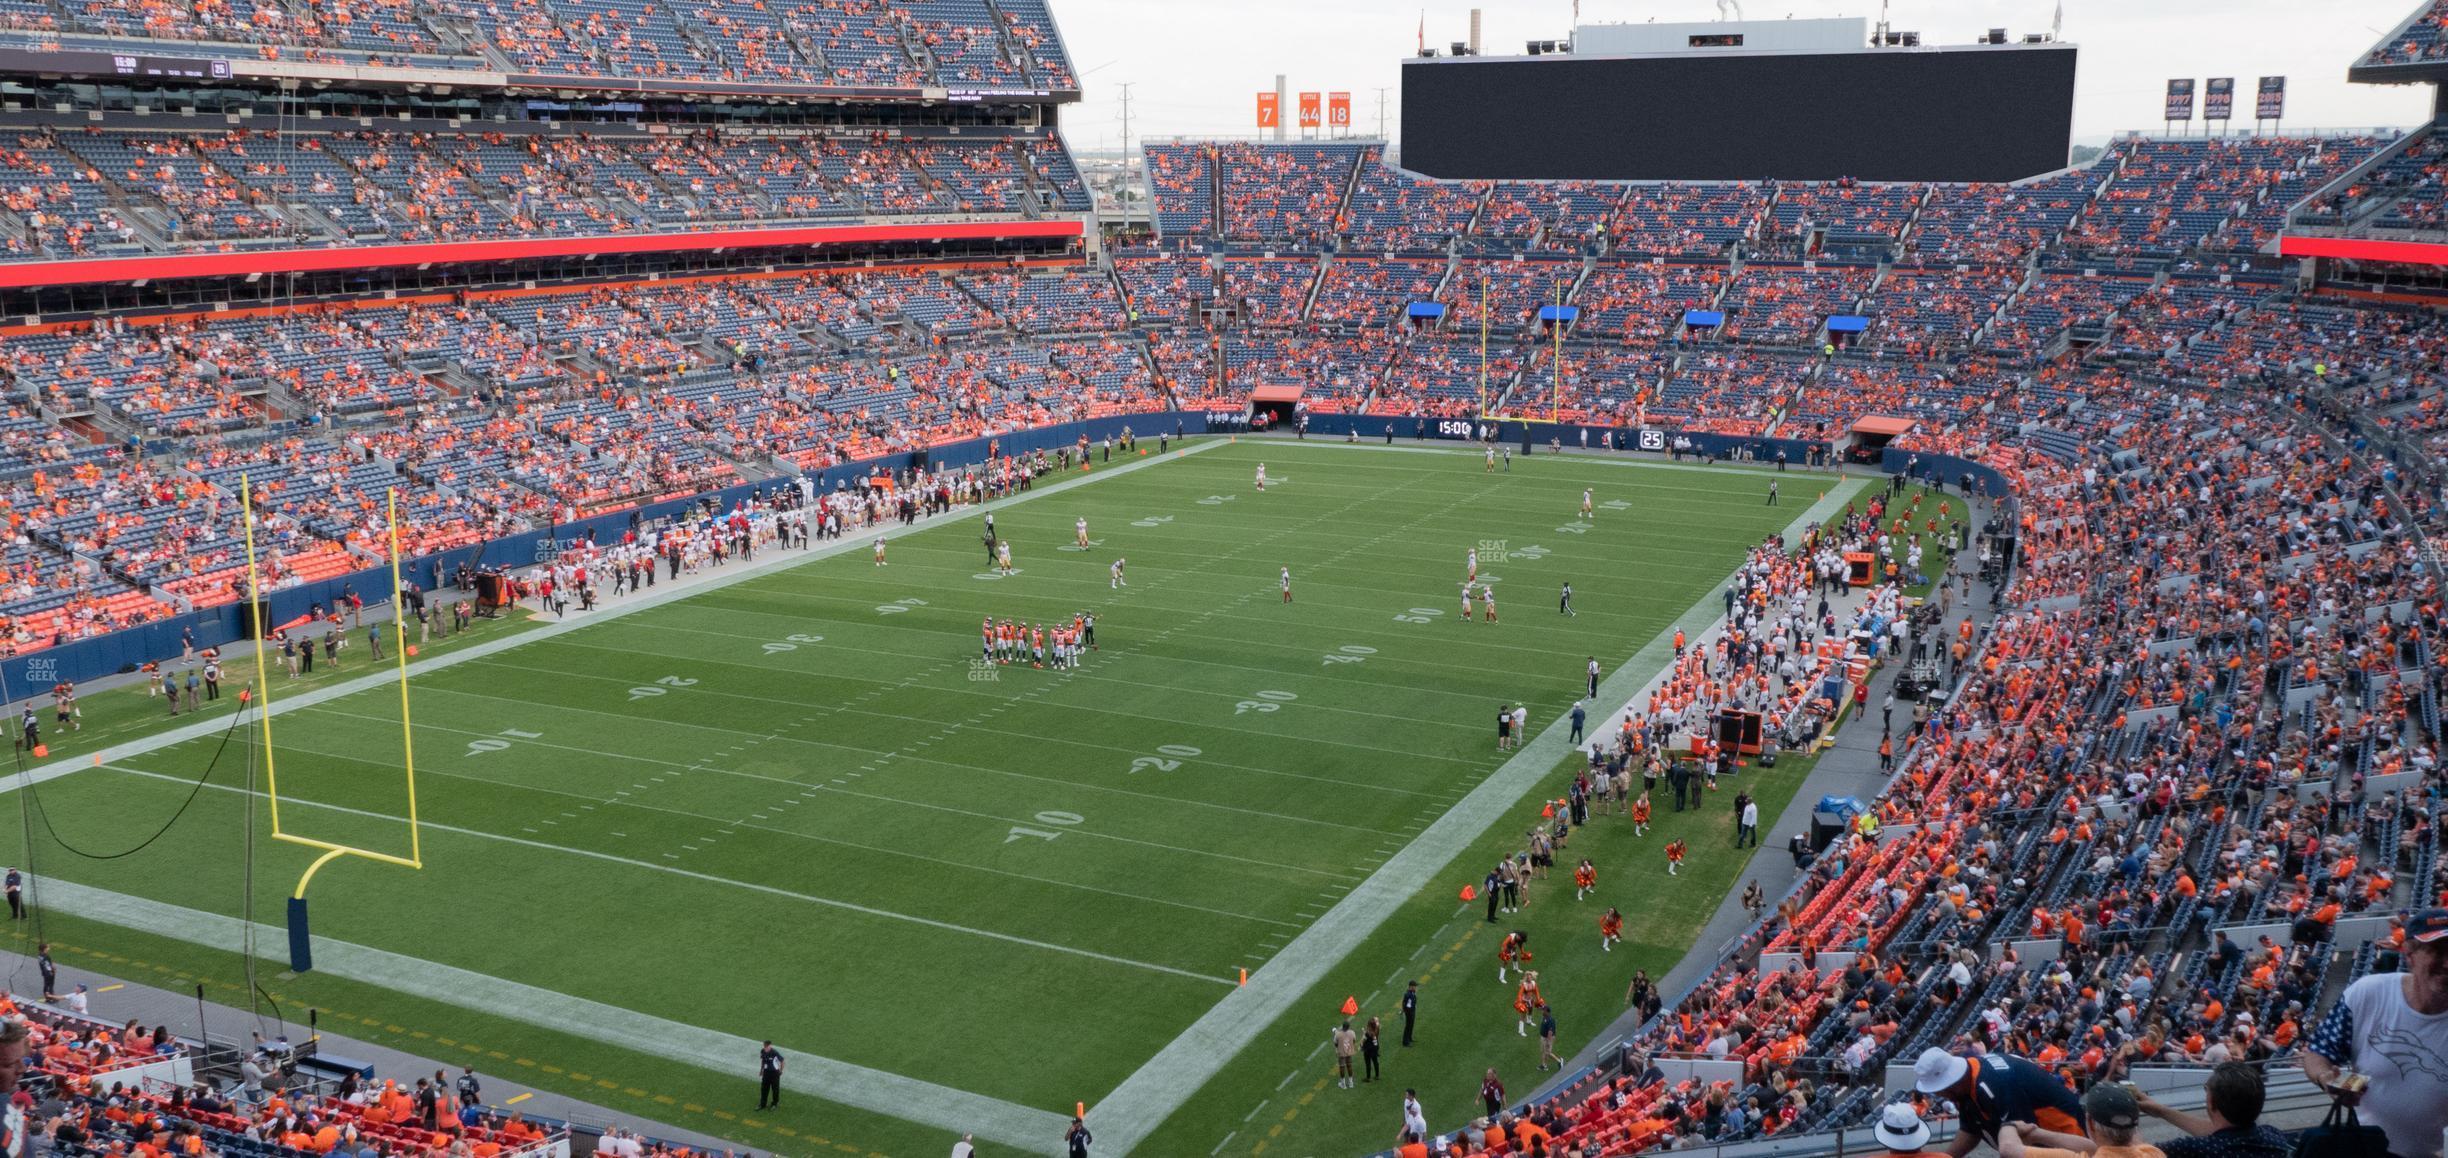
(1427, 310)
(1845, 805)
(1559, 313)
(1703, 318)
(1848, 324)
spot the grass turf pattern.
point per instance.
(795, 807)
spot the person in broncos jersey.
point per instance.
(1287, 584)
(1037, 646)
(1610, 929)
(987, 647)
(1585, 879)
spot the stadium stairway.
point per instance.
(118, 1000)
(1848, 768)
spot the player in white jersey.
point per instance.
(1487, 599)
(1287, 584)
(1118, 583)
(1262, 476)
(1470, 567)
(1585, 502)
(1003, 556)
(879, 550)
(1466, 602)
(1079, 533)
(1491, 457)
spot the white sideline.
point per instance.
(1126, 1117)
(945, 1108)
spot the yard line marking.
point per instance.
(1219, 1147)
(709, 878)
(774, 563)
(520, 1098)
(1329, 873)
(879, 1091)
(898, 852)
(112, 986)
(1151, 1094)
(1073, 785)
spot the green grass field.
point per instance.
(794, 807)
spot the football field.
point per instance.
(792, 802)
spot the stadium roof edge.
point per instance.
(146, 60)
(2407, 72)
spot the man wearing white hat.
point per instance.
(1994, 1089)
(1902, 1131)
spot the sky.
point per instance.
(1195, 66)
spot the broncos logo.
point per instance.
(2410, 1054)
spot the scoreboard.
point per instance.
(1992, 113)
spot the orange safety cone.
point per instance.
(412, 651)
(1079, 1109)
(1351, 1006)
(1549, 811)
(1245, 975)
(97, 759)
(1470, 892)
(42, 751)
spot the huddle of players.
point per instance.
(1061, 644)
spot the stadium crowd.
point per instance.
(2209, 699)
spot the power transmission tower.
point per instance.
(1381, 93)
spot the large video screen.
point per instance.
(1889, 115)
